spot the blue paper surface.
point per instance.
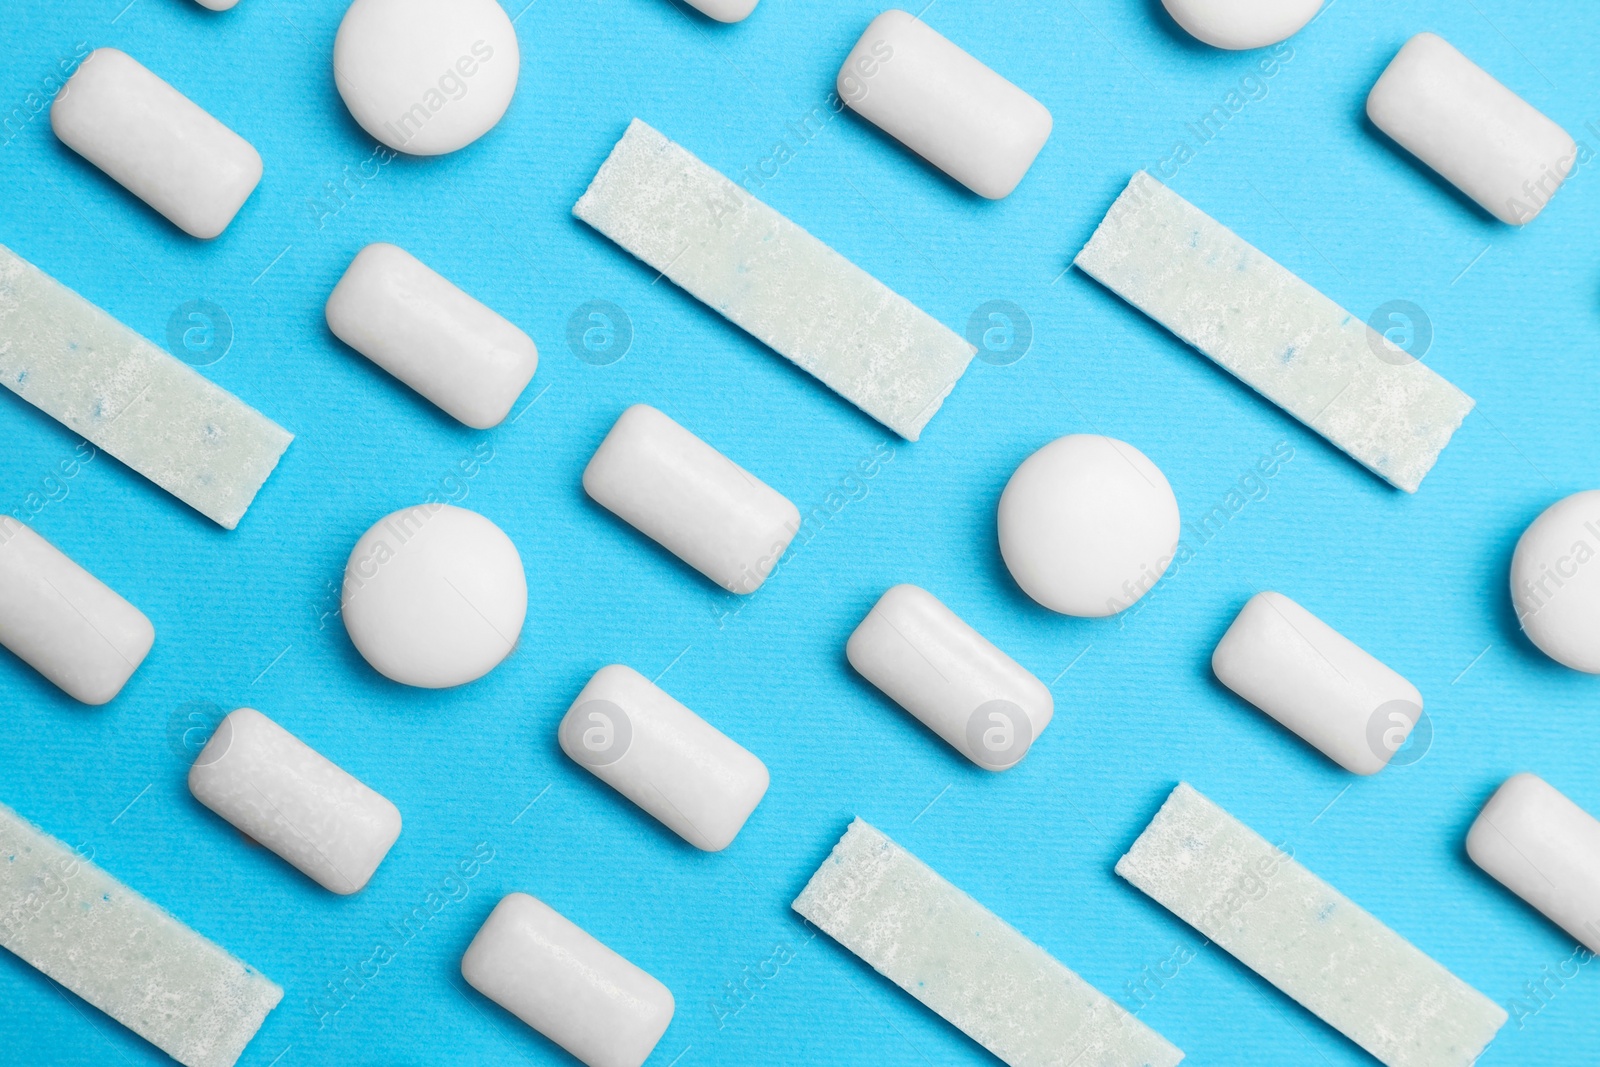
(248, 618)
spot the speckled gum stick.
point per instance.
(786, 288)
(960, 959)
(86, 370)
(121, 953)
(1274, 332)
(1306, 938)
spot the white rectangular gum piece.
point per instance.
(629, 733)
(92, 374)
(1546, 850)
(285, 795)
(414, 323)
(74, 922)
(63, 621)
(1274, 332)
(1308, 939)
(691, 499)
(155, 142)
(923, 90)
(982, 702)
(1317, 682)
(768, 276)
(551, 974)
(965, 963)
(1478, 135)
(721, 10)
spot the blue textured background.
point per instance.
(242, 618)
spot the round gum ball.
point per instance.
(1087, 525)
(426, 77)
(434, 596)
(1240, 24)
(1555, 582)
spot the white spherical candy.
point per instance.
(1087, 525)
(434, 596)
(1239, 24)
(426, 76)
(1555, 582)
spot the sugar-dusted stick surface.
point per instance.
(1307, 938)
(960, 959)
(123, 954)
(790, 291)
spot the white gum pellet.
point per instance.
(217, 5)
(725, 10)
(965, 963)
(1274, 332)
(434, 596)
(923, 90)
(426, 77)
(1088, 525)
(691, 499)
(126, 956)
(1555, 583)
(771, 278)
(669, 761)
(1546, 850)
(1240, 24)
(418, 326)
(1317, 682)
(155, 142)
(982, 702)
(557, 978)
(285, 795)
(1480, 136)
(1305, 937)
(63, 621)
(153, 412)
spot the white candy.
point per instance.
(1555, 581)
(426, 76)
(1306, 938)
(1088, 525)
(283, 794)
(217, 5)
(548, 972)
(927, 93)
(155, 413)
(412, 322)
(69, 919)
(63, 621)
(434, 596)
(1239, 24)
(691, 499)
(1480, 136)
(768, 276)
(1274, 332)
(635, 738)
(1317, 682)
(926, 659)
(1546, 850)
(155, 142)
(725, 10)
(964, 962)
